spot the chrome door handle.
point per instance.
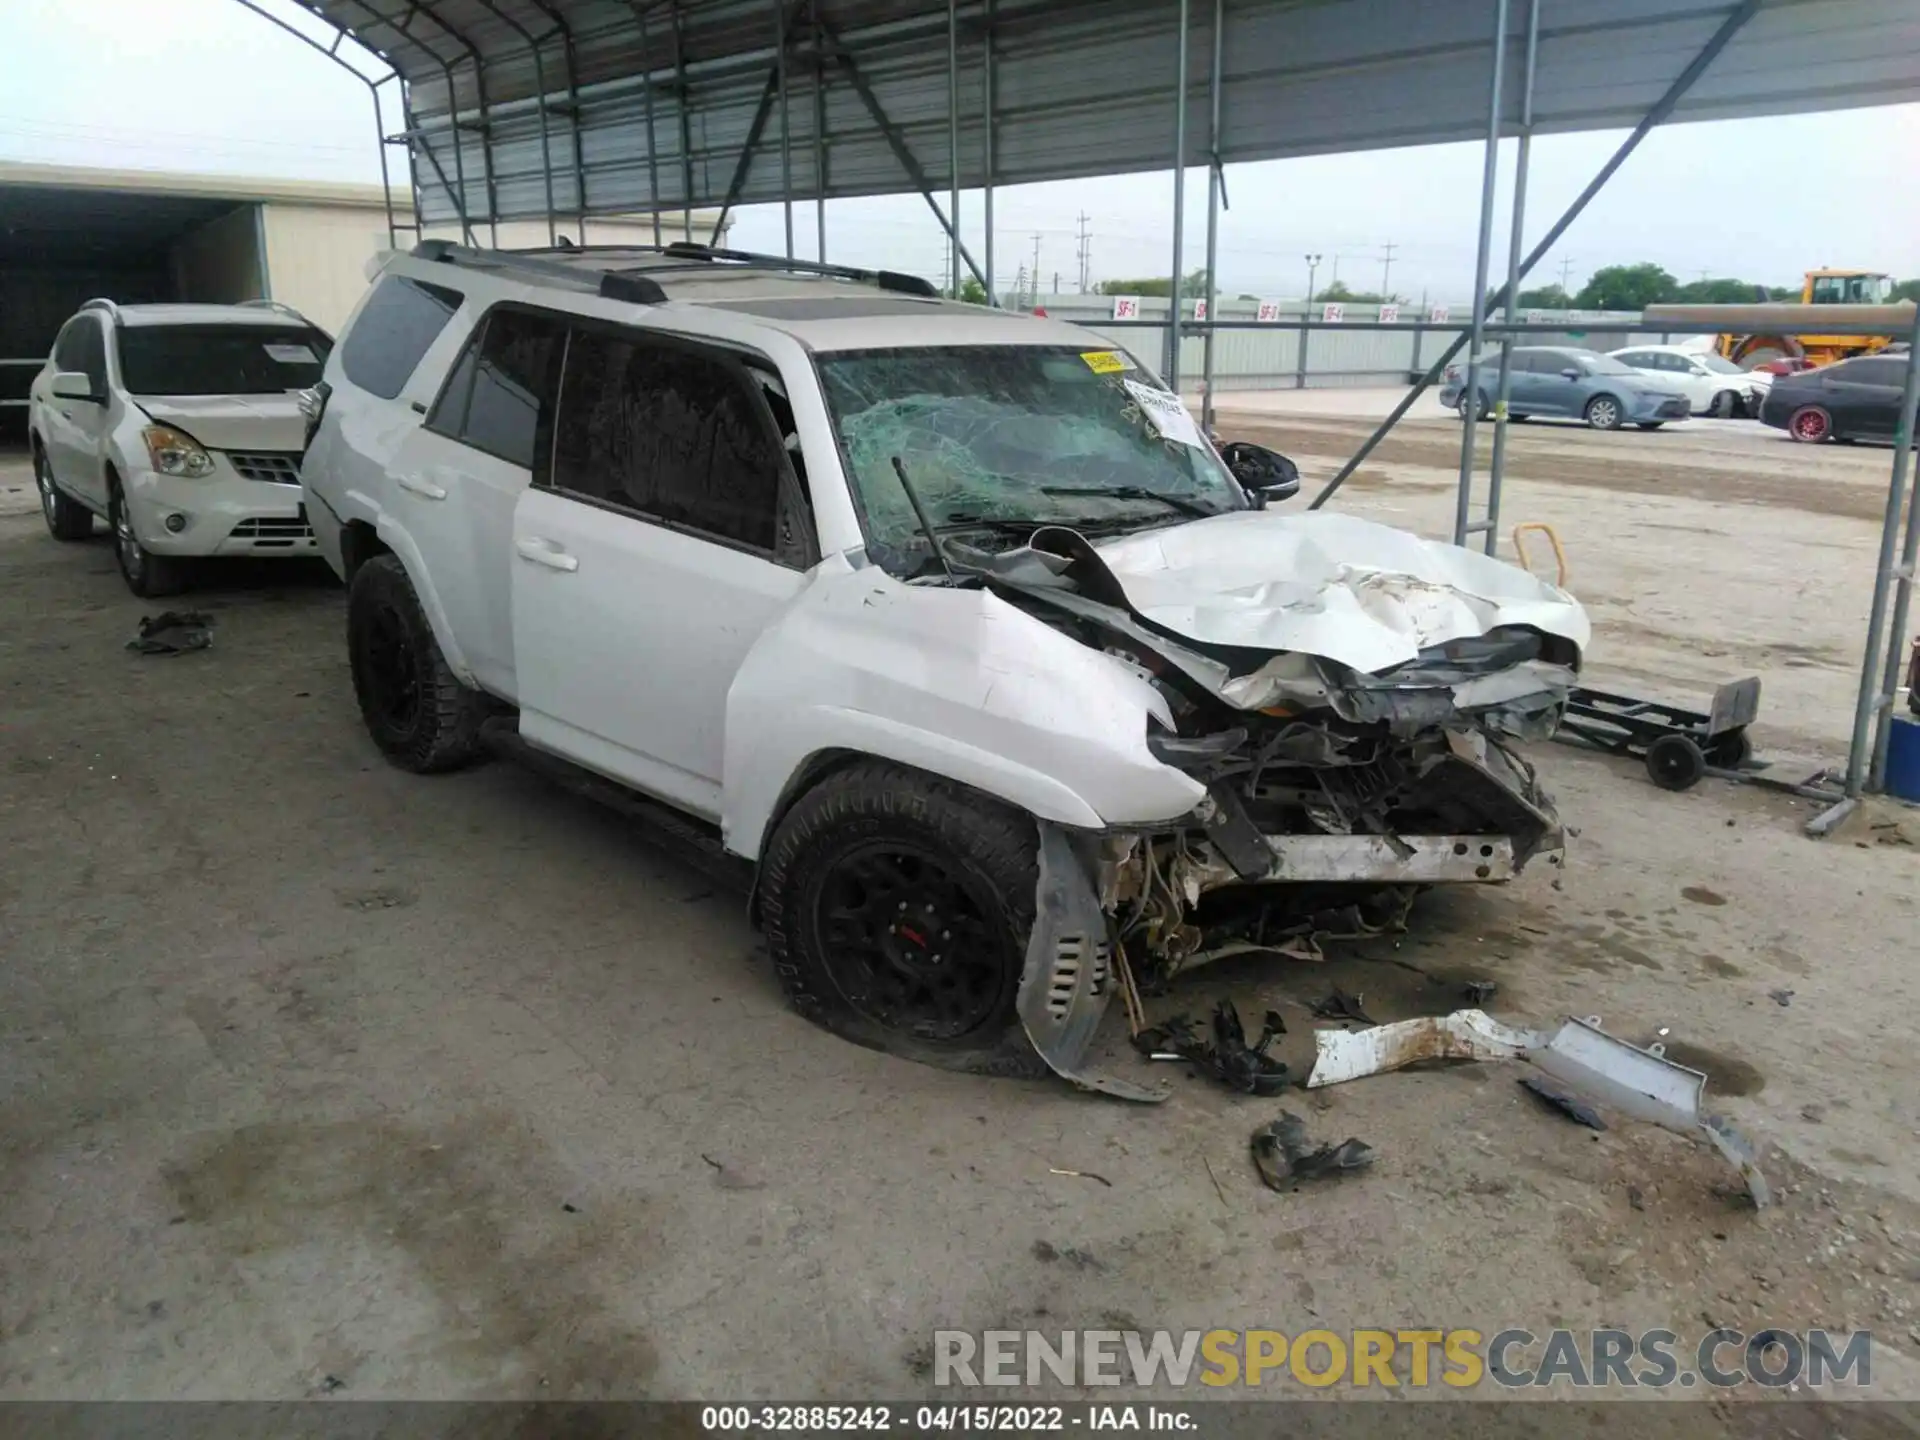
(420, 486)
(540, 552)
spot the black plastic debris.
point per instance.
(173, 632)
(1567, 1104)
(1478, 992)
(1284, 1156)
(1780, 997)
(1341, 1006)
(1227, 1058)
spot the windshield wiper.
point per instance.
(1132, 492)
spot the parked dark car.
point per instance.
(1857, 399)
(1577, 384)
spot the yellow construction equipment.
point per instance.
(1821, 287)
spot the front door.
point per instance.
(650, 560)
(1554, 392)
(77, 429)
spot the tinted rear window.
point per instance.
(400, 320)
(220, 359)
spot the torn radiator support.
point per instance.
(1069, 977)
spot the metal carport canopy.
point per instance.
(604, 106)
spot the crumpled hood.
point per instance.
(1365, 595)
(233, 422)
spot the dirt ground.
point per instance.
(318, 1078)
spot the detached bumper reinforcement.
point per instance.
(1392, 859)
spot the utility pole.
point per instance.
(1056, 282)
(1386, 269)
(1566, 273)
(1020, 287)
(1313, 264)
(1036, 269)
(1083, 242)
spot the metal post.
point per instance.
(1216, 187)
(953, 138)
(986, 147)
(1497, 464)
(819, 137)
(653, 145)
(1179, 201)
(1483, 257)
(684, 99)
(1662, 108)
(786, 120)
(1876, 695)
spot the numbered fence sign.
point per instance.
(1333, 314)
(1534, 317)
(1389, 314)
(1199, 309)
(1268, 312)
(1126, 307)
(1436, 314)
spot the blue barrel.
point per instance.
(1903, 759)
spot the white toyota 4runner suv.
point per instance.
(950, 621)
(180, 426)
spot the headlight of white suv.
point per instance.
(175, 453)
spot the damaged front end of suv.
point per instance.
(1335, 787)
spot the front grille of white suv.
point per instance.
(273, 530)
(273, 466)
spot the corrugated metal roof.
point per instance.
(1082, 87)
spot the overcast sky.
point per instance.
(216, 88)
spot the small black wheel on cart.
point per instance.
(1730, 750)
(1675, 762)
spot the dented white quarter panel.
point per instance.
(1365, 595)
(953, 681)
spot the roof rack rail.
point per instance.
(100, 302)
(701, 255)
(610, 284)
(748, 259)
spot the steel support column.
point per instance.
(653, 141)
(986, 148)
(685, 106)
(1179, 200)
(1496, 465)
(1662, 108)
(786, 120)
(1216, 193)
(1482, 262)
(819, 135)
(1879, 683)
(953, 140)
(572, 59)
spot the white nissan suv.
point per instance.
(950, 622)
(180, 426)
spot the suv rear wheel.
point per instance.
(66, 519)
(421, 717)
(897, 907)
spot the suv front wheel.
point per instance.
(897, 906)
(147, 575)
(421, 717)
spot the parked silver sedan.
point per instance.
(1570, 383)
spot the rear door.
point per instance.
(668, 534)
(459, 475)
(1864, 396)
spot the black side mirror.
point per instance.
(1265, 474)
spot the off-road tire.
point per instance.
(993, 846)
(434, 727)
(148, 575)
(67, 519)
(1604, 412)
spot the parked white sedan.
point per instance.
(1712, 384)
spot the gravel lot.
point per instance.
(319, 1078)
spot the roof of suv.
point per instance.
(826, 308)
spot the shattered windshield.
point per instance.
(997, 438)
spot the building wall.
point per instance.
(317, 254)
(219, 264)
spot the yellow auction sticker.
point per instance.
(1106, 362)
